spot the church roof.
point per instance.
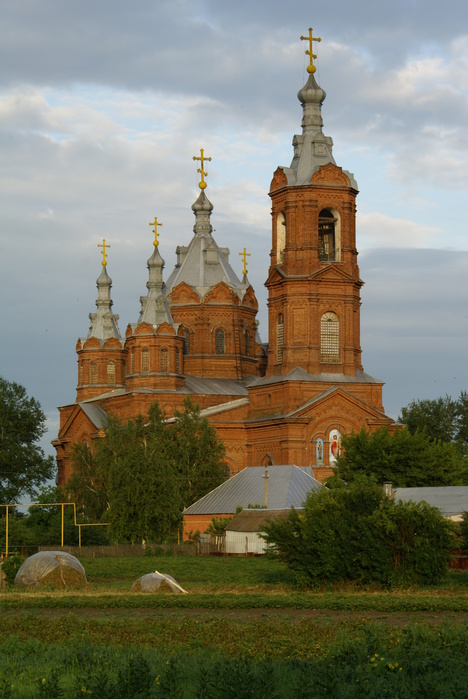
(104, 322)
(202, 264)
(287, 487)
(154, 306)
(299, 374)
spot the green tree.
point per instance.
(359, 534)
(23, 465)
(145, 471)
(443, 419)
(406, 459)
(197, 452)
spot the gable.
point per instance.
(221, 293)
(330, 174)
(183, 293)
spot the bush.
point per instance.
(10, 567)
(359, 534)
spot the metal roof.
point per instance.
(450, 500)
(95, 413)
(287, 487)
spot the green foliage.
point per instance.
(23, 465)
(359, 534)
(404, 459)
(442, 419)
(218, 525)
(145, 471)
(10, 567)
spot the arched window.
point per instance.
(247, 342)
(220, 341)
(93, 372)
(145, 361)
(163, 363)
(330, 337)
(186, 341)
(110, 372)
(327, 236)
(280, 237)
(279, 338)
(132, 361)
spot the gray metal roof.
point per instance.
(300, 374)
(95, 413)
(450, 500)
(104, 323)
(287, 487)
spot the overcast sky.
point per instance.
(104, 103)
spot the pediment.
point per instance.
(183, 293)
(143, 329)
(92, 343)
(165, 329)
(337, 403)
(112, 343)
(80, 424)
(250, 300)
(276, 275)
(330, 174)
(333, 272)
(221, 293)
(279, 179)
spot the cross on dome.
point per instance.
(104, 248)
(310, 68)
(155, 223)
(244, 255)
(202, 158)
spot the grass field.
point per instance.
(243, 630)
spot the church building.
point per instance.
(288, 402)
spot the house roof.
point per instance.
(451, 500)
(287, 487)
(253, 520)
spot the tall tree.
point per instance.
(198, 453)
(405, 459)
(23, 464)
(145, 471)
(441, 418)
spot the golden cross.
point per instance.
(104, 248)
(155, 223)
(310, 68)
(202, 158)
(244, 256)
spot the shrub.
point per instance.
(10, 567)
(357, 533)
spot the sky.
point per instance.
(104, 103)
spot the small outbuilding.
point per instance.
(243, 536)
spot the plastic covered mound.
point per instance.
(51, 568)
(156, 582)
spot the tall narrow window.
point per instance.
(132, 361)
(280, 237)
(279, 338)
(330, 337)
(163, 363)
(186, 341)
(247, 342)
(177, 361)
(80, 378)
(220, 341)
(93, 372)
(145, 361)
(110, 372)
(327, 247)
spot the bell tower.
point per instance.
(313, 282)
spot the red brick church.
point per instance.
(288, 402)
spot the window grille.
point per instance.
(177, 361)
(163, 361)
(186, 348)
(93, 373)
(330, 338)
(145, 361)
(279, 338)
(110, 372)
(327, 252)
(220, 341)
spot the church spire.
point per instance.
(154, 307)
(104, 322)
